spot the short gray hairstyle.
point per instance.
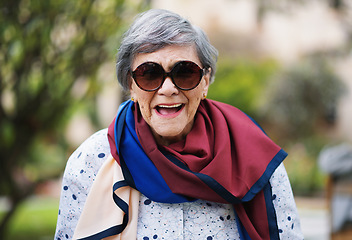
(155, 29)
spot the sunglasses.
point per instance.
(185, 75)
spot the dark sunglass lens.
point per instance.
(148, 76)
(186, 75)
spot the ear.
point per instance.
(132, 88)
(206, 78)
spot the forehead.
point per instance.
(168, 56)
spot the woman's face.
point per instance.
(169, 111)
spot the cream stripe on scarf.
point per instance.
(100, 211)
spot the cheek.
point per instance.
(144, 106)
(193, 104)
(196, 97)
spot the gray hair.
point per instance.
(155, 29)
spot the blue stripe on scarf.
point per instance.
(209, 181)
(241, 230)
(271, 215)
(118, 228)
(104, 234)
(263, 180)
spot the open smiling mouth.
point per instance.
(167, 110)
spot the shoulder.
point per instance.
(97, 141)
(90, 155)
(83, 166)
(280, 182)
(285, 206)
(80, 173)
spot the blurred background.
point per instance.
(287, 63)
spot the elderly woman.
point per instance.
(173, 164)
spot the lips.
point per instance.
(169, 109)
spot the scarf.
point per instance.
(226, 158)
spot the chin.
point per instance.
(170, 134)
(168, 137)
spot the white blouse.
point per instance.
(192, 220)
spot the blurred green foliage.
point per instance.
(240, 82)
(303, 98)
(35, 219)
(50, 54)
(302, 167)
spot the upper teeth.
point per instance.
(170, 106)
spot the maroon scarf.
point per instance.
(225, 158)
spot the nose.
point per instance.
(168, 88)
